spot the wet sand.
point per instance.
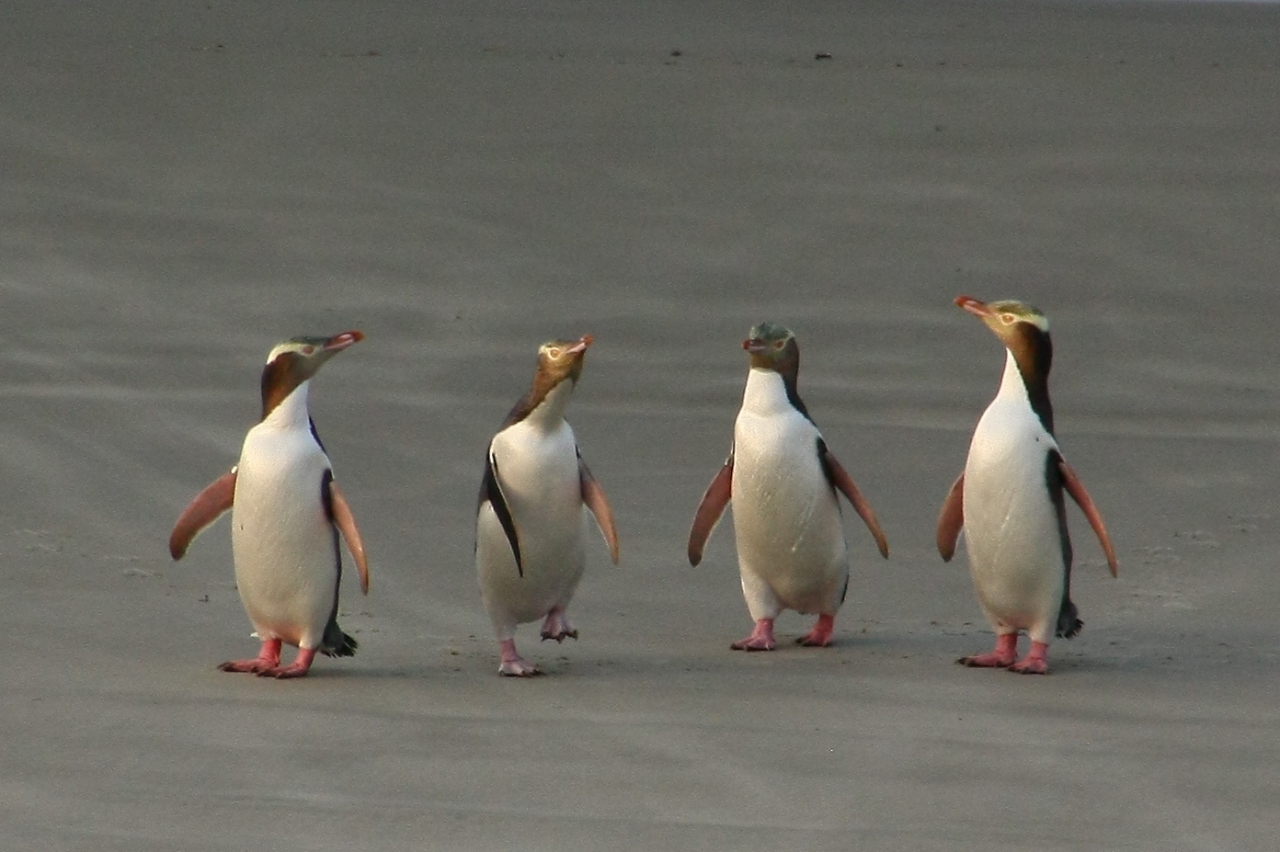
(185, 184)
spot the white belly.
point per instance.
(538, 475)
(284, 545)
(786, 520)
(1011, 524)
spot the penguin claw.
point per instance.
(1029, 666)
(514, 665)
(752, 644)
(821, 634)
(1035, 662)
(254, 666)
(518, 667)
(993, 660)
(761, 639)
(1001, 658)
(556, 626)
(268, 658)
(298, 668)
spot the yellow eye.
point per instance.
(308, 350)
(554, 351)
(778, 344)
(1008, 319)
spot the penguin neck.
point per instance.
(549, 411)
(291, 412)
(770, 392)
(1029, 391)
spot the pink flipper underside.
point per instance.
(712, 506)
(215, 499)
(950, 520)
(1076, 489)
(593, 498)
(346, 524)
(761, 638)
(843, 481)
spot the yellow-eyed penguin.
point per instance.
(782, 480)
(286, 514)
(1009, 500)
(529, 553)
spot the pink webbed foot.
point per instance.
(1001, 658)
(1035, 662)
(298, 668)
(556, 626)
(268, 658)
(514, 665)
(821, 634)
(761, 639)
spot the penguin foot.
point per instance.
(268, 658)
(255, 666)
(514, 665)
(1001, 658)
(556, 626)
(298, 668)
(1036, 662)
(761, 639)
(821, 634)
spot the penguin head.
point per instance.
(773, 347)
(1024, 330)
(1003, 317)
(561, 359)
(295, 361)
(558, 360)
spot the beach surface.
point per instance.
(187, 183)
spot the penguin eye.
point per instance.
(1008, 319)
(308, 350)
(554, 351)
(778, 344)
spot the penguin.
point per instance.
(286, 514)
(529, 551)
(1009, 500)
(782, 479)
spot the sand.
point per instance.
(185, 184)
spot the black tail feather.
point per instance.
(1069, 623)
(337, 643)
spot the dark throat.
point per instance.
(279, 379)
(1034, 356)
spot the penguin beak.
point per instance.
(338, 342)
(581, 345)
(973, 306)
(754, 345)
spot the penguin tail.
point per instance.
(337, 643)
(1069, 623)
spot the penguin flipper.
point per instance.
(202, 511)
(491, 493)
(840, 479)
(346, 524)
(593, 498)
(1078, 493)
(716, 497)
(951, 519)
